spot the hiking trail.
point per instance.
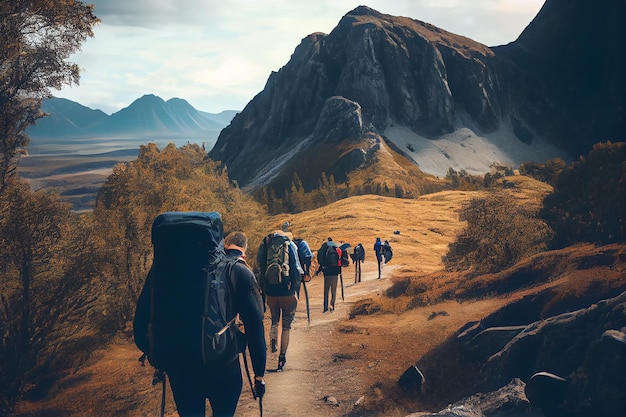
(307, 384)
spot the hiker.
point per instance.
(329, 260)
(280, 276)
(169, 318)
(386, 251)
(379, 255)
(305, 256)
(358, 256)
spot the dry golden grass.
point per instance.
(363, 356)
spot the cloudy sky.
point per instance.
(218, 54)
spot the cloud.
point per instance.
(218, 55)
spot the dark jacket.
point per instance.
(249, 305)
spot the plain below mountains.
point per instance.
(74, 147)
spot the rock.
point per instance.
(508, 399)
(580, 346)
(546, 391)
(607, 374)
(412, 380)
(331, 400)
(360, 401)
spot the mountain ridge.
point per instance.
(149, 116)
(400, 72)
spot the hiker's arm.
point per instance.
(251, 311)
(295, 270)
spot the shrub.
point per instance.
(499, 233)
(587, 204)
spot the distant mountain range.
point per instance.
(148, 117)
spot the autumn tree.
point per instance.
(37, 37)
(33, 229)
(170, 179)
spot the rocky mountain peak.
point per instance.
(397, 74)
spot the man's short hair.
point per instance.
(236, 239)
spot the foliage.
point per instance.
(547, 172)
(587, 204)
(297, 199)
(36, 39)
(159, 180)
(34, 227)
(499, 233)
(461, 180)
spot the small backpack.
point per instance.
(188, 293)
(275, 259)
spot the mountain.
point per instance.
(570, 66)
(385, 85)
(149, 116)
(65, 117)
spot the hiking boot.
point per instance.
(273, 345)
(281, 362)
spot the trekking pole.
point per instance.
(341, 280)
(306, 298)
(163, 396)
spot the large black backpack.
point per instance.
(329, 254)
(185, 313)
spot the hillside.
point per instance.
(359, 359)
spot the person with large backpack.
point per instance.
(185, 318)
(280, 276)
(358, 256)
(329, 259)
(387, 251)
(304, 255)
(378, 245)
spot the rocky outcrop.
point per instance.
(558, 82)
(387, 68)
(586, 348)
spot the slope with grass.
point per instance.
(338, 365)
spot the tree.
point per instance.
(135, 193)
(37, 38)
(587, 204)
(33, 226)
(500, 232)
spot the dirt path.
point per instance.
(302, 388)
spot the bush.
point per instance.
(587, 204)
(499, 233)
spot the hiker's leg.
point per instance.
(189, 392)
(289, 305)
(274, 306)
(326, 289)
(333, 290)
(225, 388)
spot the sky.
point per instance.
(219, 54)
